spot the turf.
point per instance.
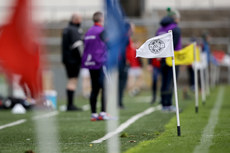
(192, 127)
(153, 133)
(76, 131)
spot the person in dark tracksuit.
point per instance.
(123, 67)
(170, 22)
(72, 46)
(94, 59)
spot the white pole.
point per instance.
(176, 98)
(215, 75)
(203, 90)
(212, 77)
(175, 90)
(46, 132)
(202, 85)
(218, 74)
(229, 65)
(196, 81)
(113, 144)
(207, 79)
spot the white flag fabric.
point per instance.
(157, 47)
(201, 64)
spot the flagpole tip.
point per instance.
(196, 109)
(178, 131)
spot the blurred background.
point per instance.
(196, 16)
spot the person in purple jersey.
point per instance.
(94, 59)
(169, 22)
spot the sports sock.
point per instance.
(70, 94)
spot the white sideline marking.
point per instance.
(24, 120)
(206, 139)
(45, 115)
(12, 124)
(126, 124)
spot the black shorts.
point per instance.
(72, 70)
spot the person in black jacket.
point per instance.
(72, 46)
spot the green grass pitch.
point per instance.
(153, 133)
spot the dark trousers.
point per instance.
(191, 76)
(97, 83)
(122, 79)
(167, 84)
(155, 75)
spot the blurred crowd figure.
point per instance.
(206, 37)
(94, 58)
(72, 45)
(169, 22)
(205, 49)
(123, 67)
(135, 72)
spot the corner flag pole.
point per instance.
(203, 94)
(196, 81)
(175, 90)
(207, 79)
(113, 144)
(202, 85)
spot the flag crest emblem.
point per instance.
(156, 46)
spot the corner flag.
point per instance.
(184, 56)
(160, 47)
(157, 47)
(20, 49)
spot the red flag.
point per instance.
(19, 48)
(219, 55)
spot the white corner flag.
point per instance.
(157, 47)
(160, 47)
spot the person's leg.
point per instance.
(191, 77)
(163, 85)
(169, 87)
(94, 74)
(131, 81)
(156, 73)
(120, 90)
(122, 84)
(139, 83)
(72, 71)
(70, 90)
(101, 85)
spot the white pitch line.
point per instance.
(24, 120)
(12, 124)
(45, 115)
(126, 124)
(208, 133)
